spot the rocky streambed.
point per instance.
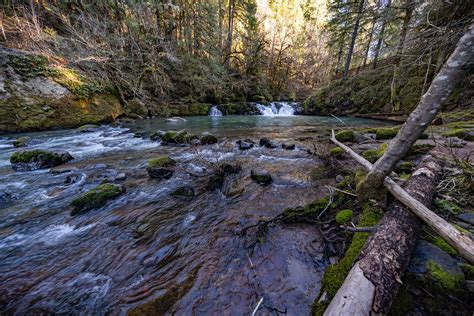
(183, 244)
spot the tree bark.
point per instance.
(230, 33)
(381, 34)
(394, 97)
(375, 278)
(371, 35)
(455, 69)
(353, 39)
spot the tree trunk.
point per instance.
(381, 34)
(371, 35)
(353, 39)
(455, 69)
(375, 278)
(230, 33)
(394, 97)
(221, 18)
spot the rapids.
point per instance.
(149, 252)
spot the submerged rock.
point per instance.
(208, 139)
(184, 191)
(261, 177)
(95, 198)
(245, 144)
(265, 142)
(38, 159)
(21, 141)
(160, 168)
(288, 146)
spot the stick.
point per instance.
(256, 307)
(459, 240)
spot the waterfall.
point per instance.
(276, 109)
(214, 111)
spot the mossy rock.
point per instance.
(169, 137)
(162, 161)
(443, 245)
(444, 279)
(345, 136)
(460, 133)
(337, 152)
(95, 198)
(87, 128)
(405, 166)
(344, 216)
(373, 155)
(21, 141)
(261, 177)
(38, 159)
(386, 133)
(208, 139)
(447, 206)
(181, 137)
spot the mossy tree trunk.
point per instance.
(375, 278)
(459, 64)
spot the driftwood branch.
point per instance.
(459, 240)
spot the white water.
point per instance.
(276, 109)
(214, 111)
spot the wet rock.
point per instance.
(95, 198)
(228, 168)
(88, 128)
(184, 191)
(156, 136)
(121, 176)
(208, 139)
(245, 144)
(360, 138)
(265, 142)
(140, 135)
(261, 177)
(369, 136)
(425, 253)
(21, 142)
(161, 168)
(175, 119)
(288, 146)
(38, 159)
(169, 137)
(72, 178)
(215, 182)
(467, 217)
(455, 142)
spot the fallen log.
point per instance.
(373, 281)
(459, 240)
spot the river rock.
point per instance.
(95, 198)
(288, 146)
(426, 252)
(121, 176)
(245, 144)
(208, 139)
(455, 142)
(157, 135)
(72, 178)
(265, 142)
(21, 141)
(175, 119)
(38, 159)
(261, 177)
(467, 217)
(88, 128)
(185, 191)
(161, 168)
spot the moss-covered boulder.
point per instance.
(161, 167)
(169, 137)
(344, 216)
(208, 139)
(337, 152)
(261, 177)
(461, 133)
(95, 198)
(21, 141)
(386, 133)
(27, 160)
(345, 136)
(373, 155)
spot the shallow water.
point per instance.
(186, 256)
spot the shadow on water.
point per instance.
(148, 252)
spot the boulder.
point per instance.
(161, 168)
(208, 139)
(95, 198)
(288, 146)
(245, 144)
(87, 128)
(467, 217)
(261, 177)
(265, 142)
(21, 141)
(38, 159)
(156, 136)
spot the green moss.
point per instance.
(345, 136)
(21, 142)
(445, 279)
(169, 136)
(181, 137)
(311, 210)
(440, 243)
(95, 198)
(406, 166)
(386, 133)
(29, 66)
(405, 176)
(343, 216)
(447, 206)
(162, 161)
(403, 303)
(208, 139)
(373, 155)
(461, 133)
(183, 191)
(30, 156)
(337, 152)
(468, 270)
